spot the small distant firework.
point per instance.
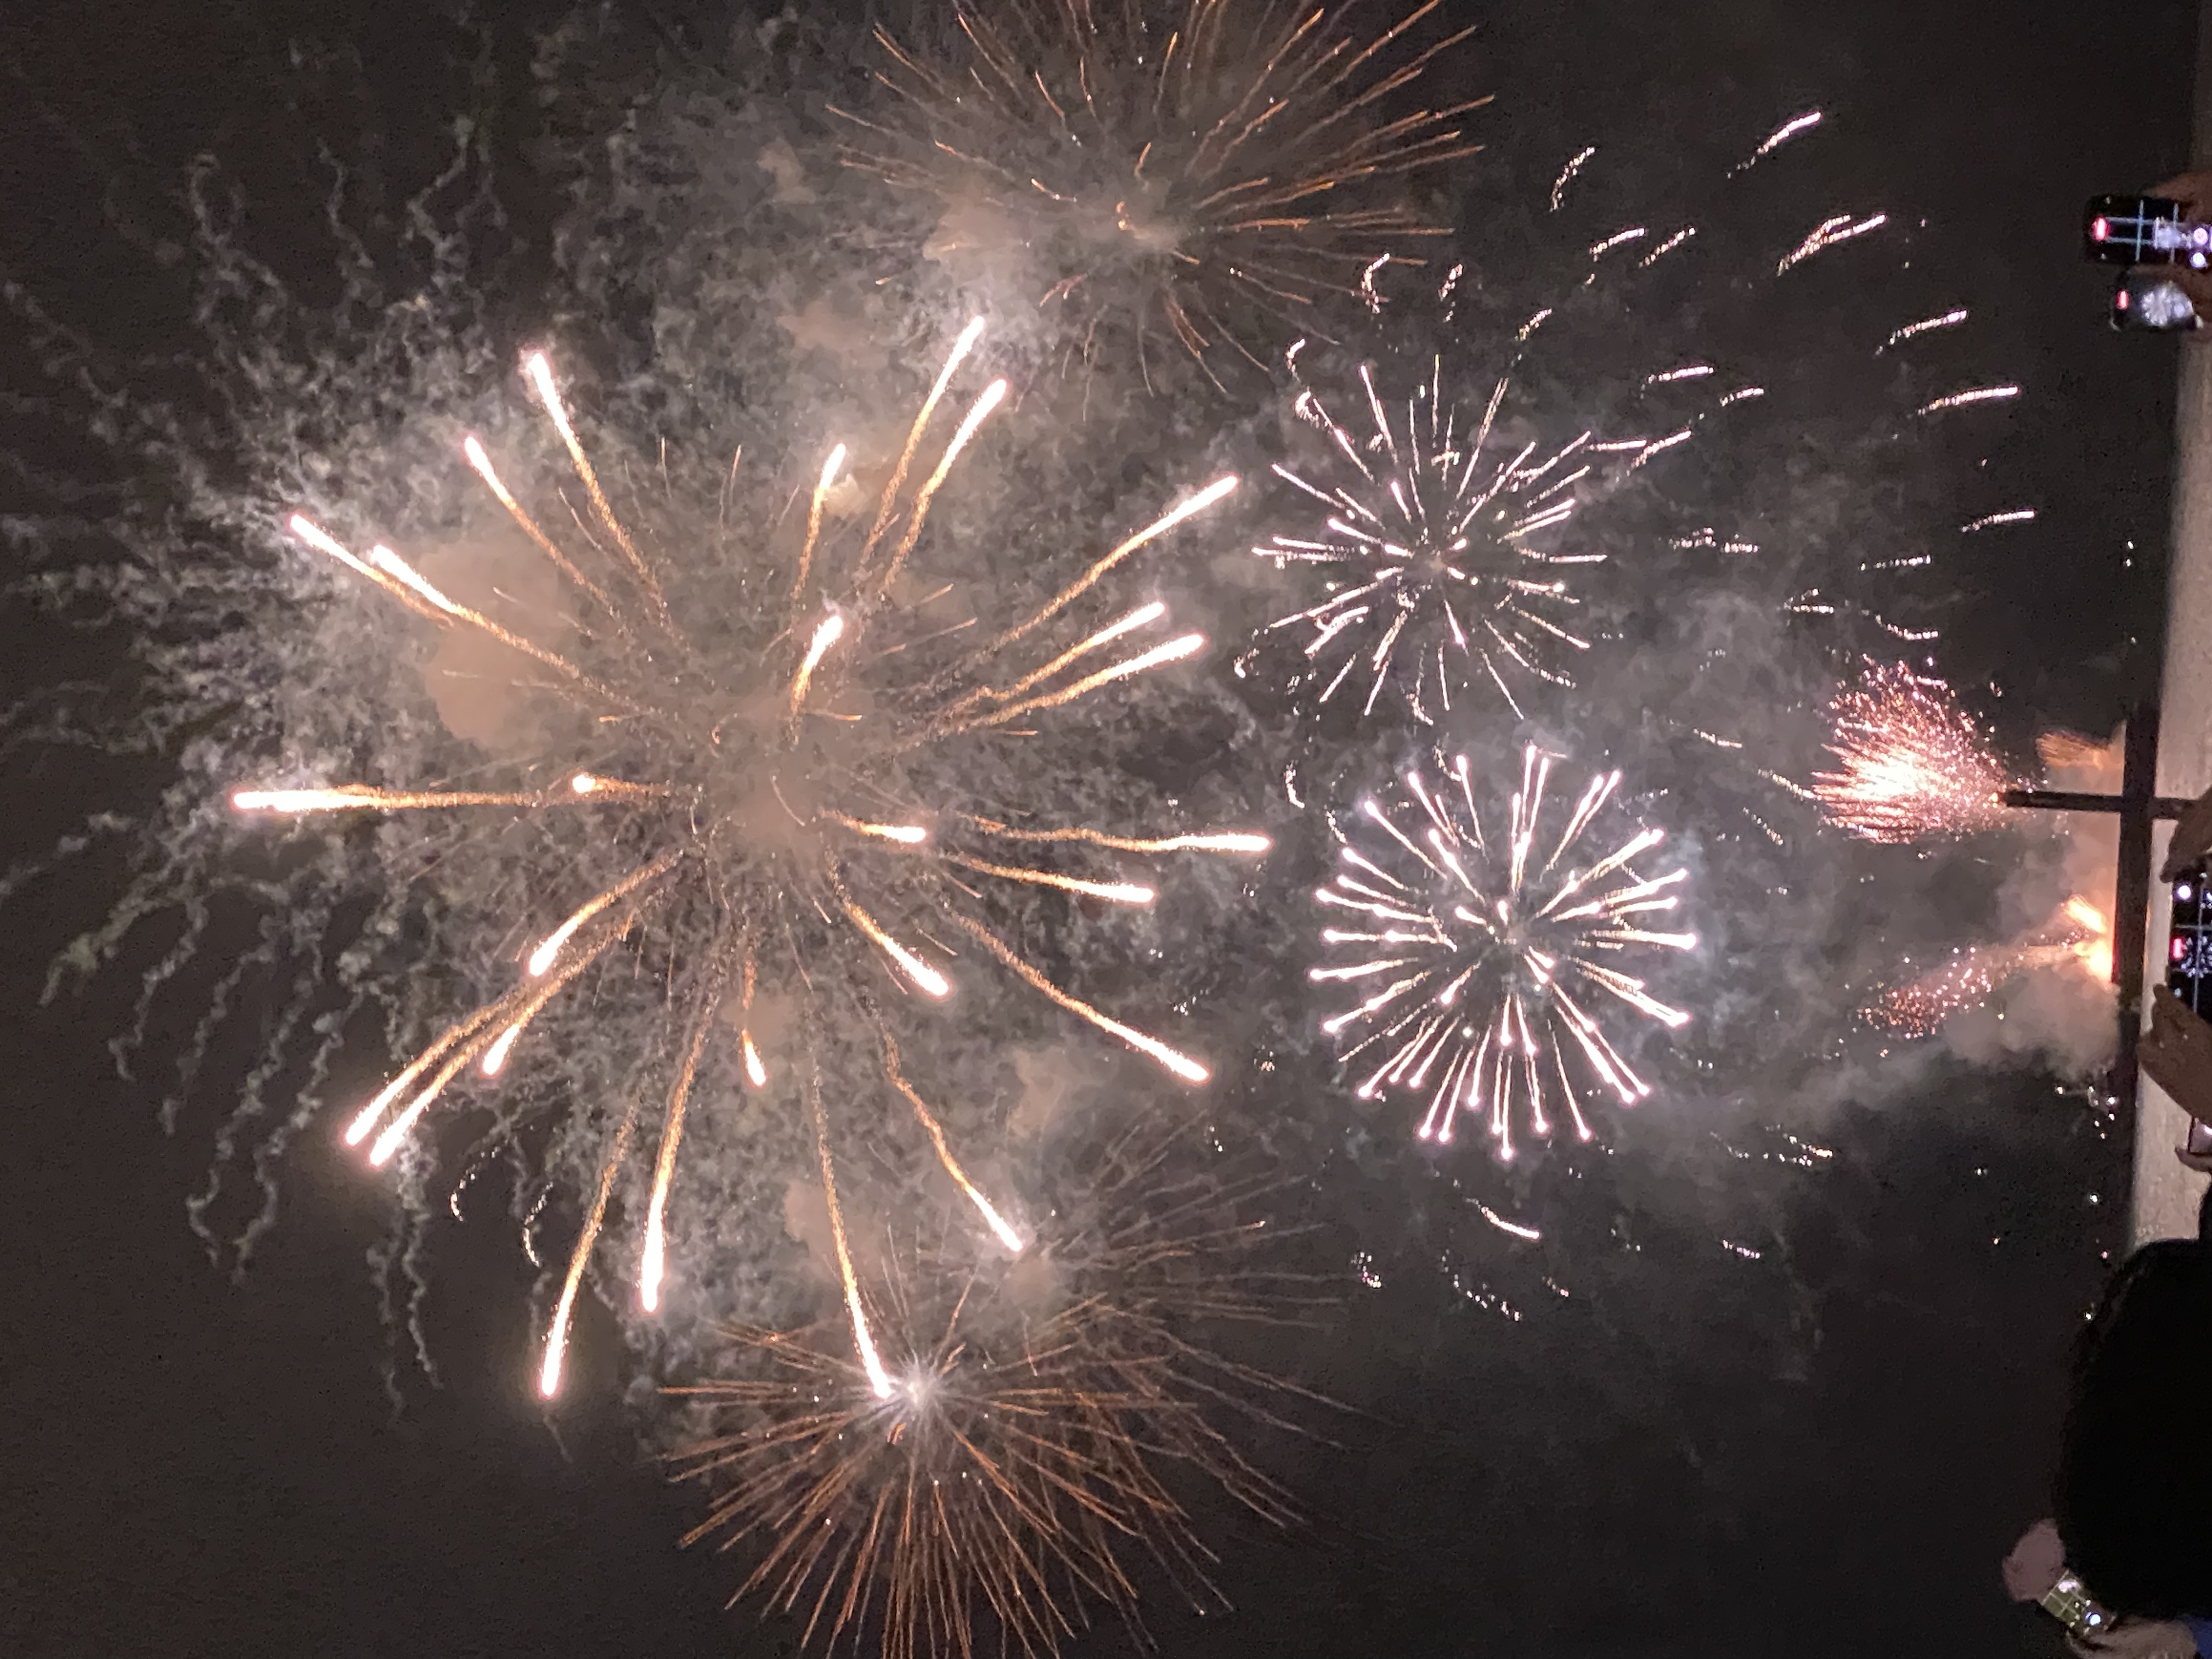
(1185, 177)
(739, 778)
(1473, 952)
(1910, 765)
(1442, 554)
(1011, 1464)
(2079, 938)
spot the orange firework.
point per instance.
(1183, 175)
(748, 785)
(1006, 1461)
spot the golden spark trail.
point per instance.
(1136, 619)
(1228, 842)
(831, 468)
(401, 579)
(672, 1137)
(550, 947)
(540, 371)
(1219, 490)
(1114, 892)
(961, 348)
(878, 1380)
(525, 1002)
(481, 462)
(1181, 1064)
(827, 633)
(1159, 656)
(935, 1131)
(556, 1334)
(993, 395)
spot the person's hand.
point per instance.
(2194, 191)
(2137, 1639)
(2176, 1056)
(2035, 1563)
(2193, 839)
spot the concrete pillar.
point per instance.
(2165, 1194)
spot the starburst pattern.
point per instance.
(1015, 1464)
(1444, 551)
(1196, 176)
(1481, 957)
(740, 786)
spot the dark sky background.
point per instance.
(192, 1465)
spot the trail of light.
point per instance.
(827, 632)
(2018, 515)
(1214, 493)
(1827, 233)
(878, 1380)
(557, 1334)
(672, 1138)
(993, 396)
(524, 1001)
(550, 947)
(1775, 140)
(1160, 655)
(1950, 319)
(958, 355)
(906, 834)
(1181, 1064)
(350, 796)
(1986, 394)
(822, 484)
(1219, 841)
(923, 975)
(1114, 892)
(1136, 619)
(998, 1224)
(317, 537)
(540, 371)
(481, 462)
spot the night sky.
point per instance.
(1829, 1459)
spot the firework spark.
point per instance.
(1910, 765)
(1005, 1461)
(1478, 957)
(1232, 167)
(762, 812)
(1444, 552)
(2078, 939)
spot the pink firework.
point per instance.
(1910, 765)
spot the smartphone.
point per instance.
(2146, 301)
(2188, 942)
(2069, 1601)
(2143, 230)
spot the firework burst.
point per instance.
(1444, 551)
(1910, 765)
(1011, 1462)
(2078, 939)
(1479, 956)
(740, 783)
(1191, 176)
